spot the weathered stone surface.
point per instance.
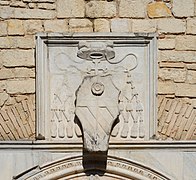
(191, 77)
(18, 4)
(120, 25)
(23, 72)
(56, 25)
(167, 87)
(171, 26)
(4, 3)
(176, 75)
(166, 43)
(8, 12)
(6, 74)
(20, 86)
(15, 58)
(187, 90)
(3, 86)
(96, 9)
(34, 14)
(15, 27)
(158, 9)
(132, 8)
(25, 42)
(183, 56)
(191, 26)
(143, 25)
(16, 73)
(32, 5)
(79, 29)
(3, 28)
(33, 26)
(191, 66)
(3, 97)
(46, 6)
(183, 8)
(70, 8)
(80, 25)
(101, 25)
(185, 43)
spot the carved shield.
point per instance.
(97, 109)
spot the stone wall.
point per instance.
(173, 20)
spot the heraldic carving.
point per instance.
(103, 95)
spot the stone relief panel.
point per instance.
(96, 88)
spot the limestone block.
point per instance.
(47, 6)
(183, 8)
(191, 77)
(23, 73)
(132, 8)
(6, 12)
(101, 25)
(174, 56)
(158, 9)
(3, 86)
(79, 29)
(17, 4)
(16, 73)
(176, 75)
(187, 90)
(120, 25)
(166, 43)
(12, 58)
(25, 42)
(96, 9)
(21, 86)
(171, 26)
(185, 43)
(56, 25)
(15, 27)
(191, 66)
(70, 8)
(143, 25)
(33, 26)
(3, 98)
(6, 74)
(166, 87)
(32, 5)
(32, 14)
(80, 25)
(4, 3)
(22, 13)
(191, 26)
(3, 28)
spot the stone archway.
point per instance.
(73, 169)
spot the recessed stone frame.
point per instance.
(55, 50)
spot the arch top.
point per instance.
(72, 168)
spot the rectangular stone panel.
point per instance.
(95, 85)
